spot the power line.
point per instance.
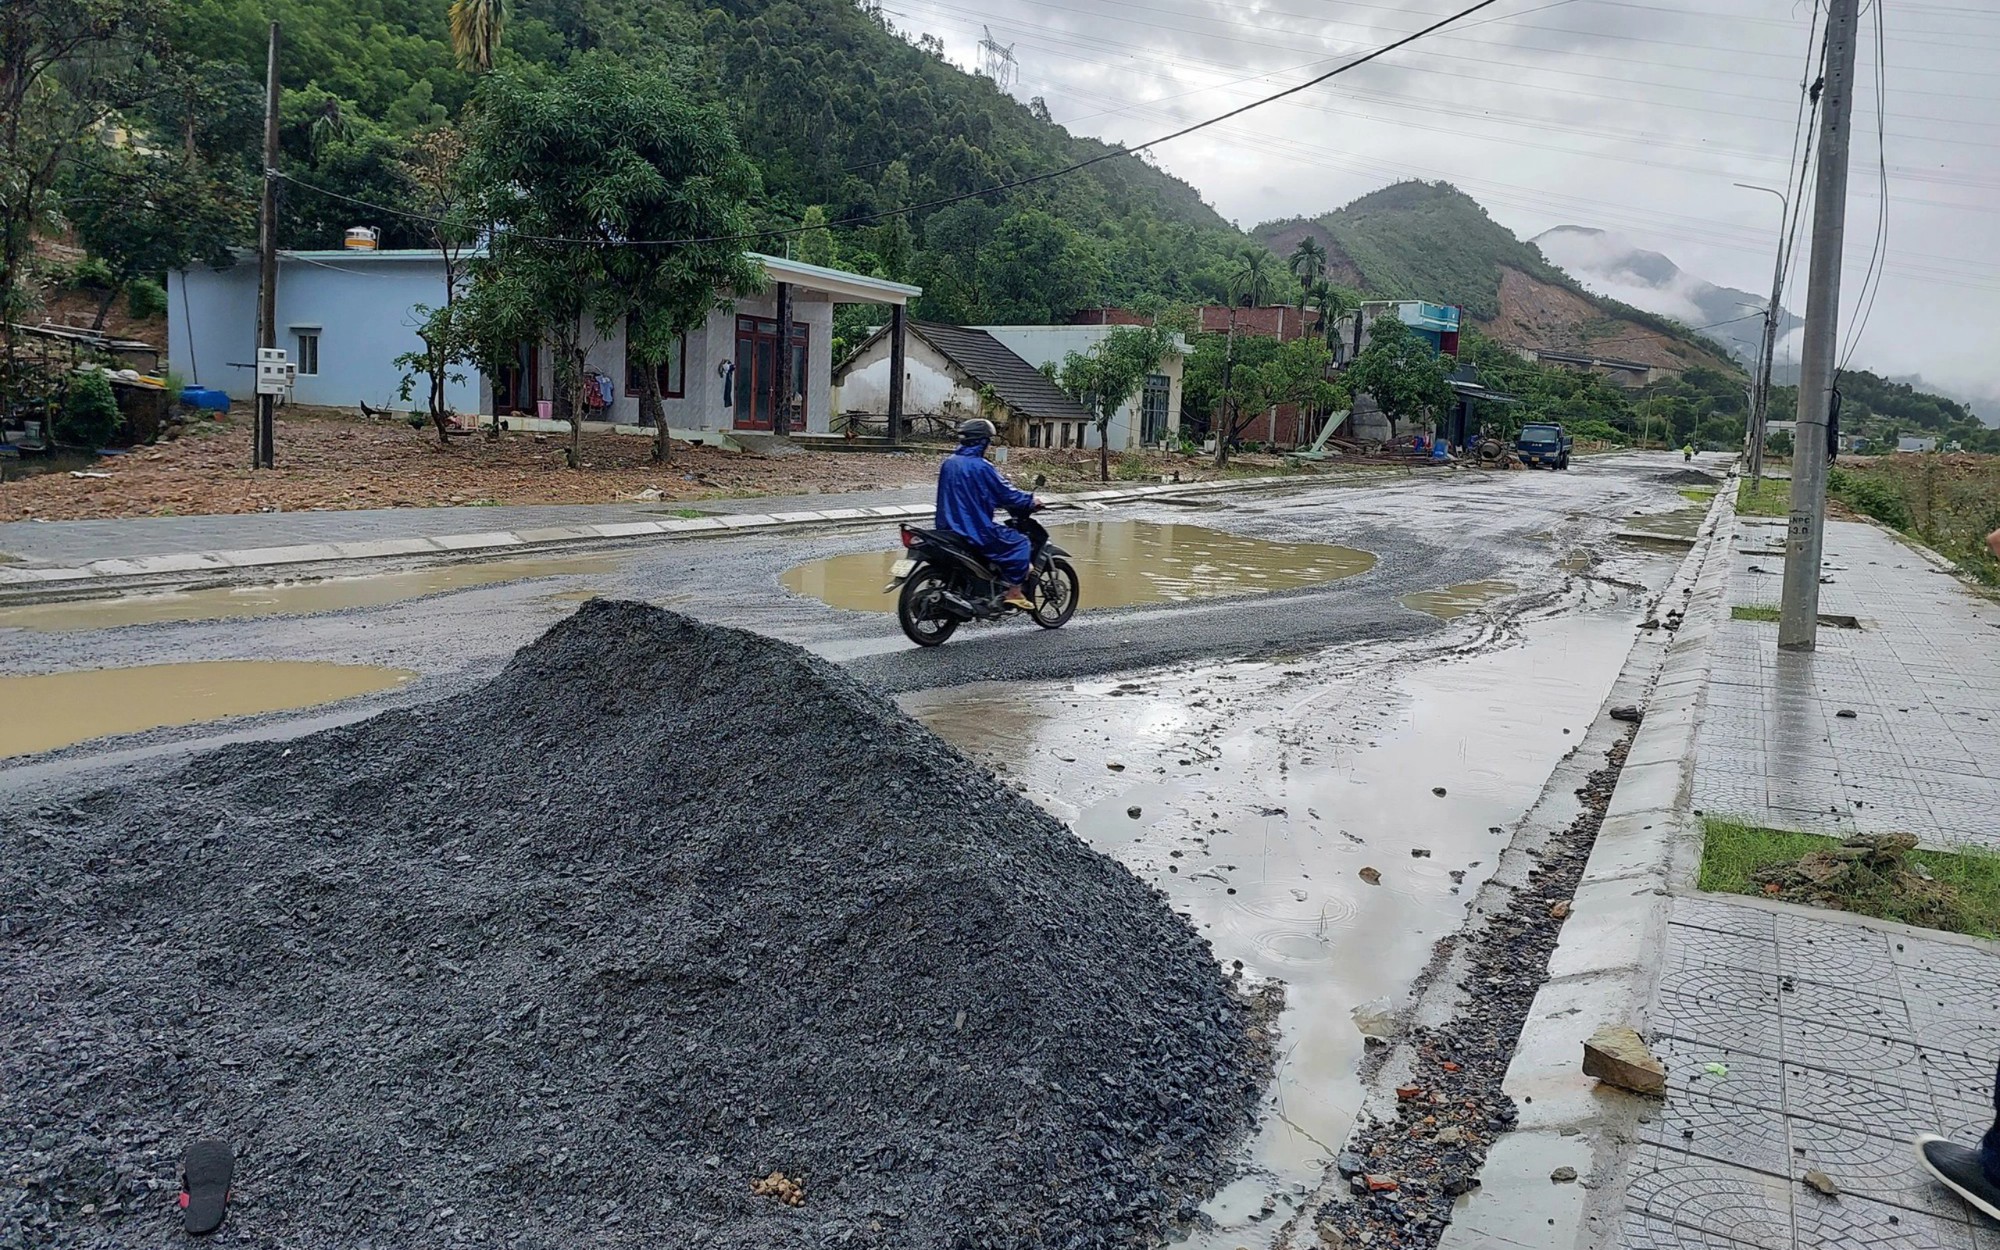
(1871, 282)
(945, 201)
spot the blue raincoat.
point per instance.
(969, 491)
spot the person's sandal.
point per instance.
(1961, 1169)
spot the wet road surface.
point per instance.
(1246, 743)
(458, 624)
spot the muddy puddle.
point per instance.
(1261, 791)
(47, 711)
(1455, 601)
(292, 598)
(1679, 526)
(1121, 564)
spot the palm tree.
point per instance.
(1254, 278)
(475, 32)
(1307, 263)
(1333, 303)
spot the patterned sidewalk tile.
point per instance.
(1710, 1198)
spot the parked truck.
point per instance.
(1544, 443)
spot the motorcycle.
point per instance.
(944, 583)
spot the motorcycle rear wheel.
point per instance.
(1056, 594)
(917, 614)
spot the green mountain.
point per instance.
(1432, 241)
(839, 109)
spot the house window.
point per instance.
(306, 357)
(673, 370)
(1153, 409)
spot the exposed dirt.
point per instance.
(1534, 313)
(603, 952)
(1405, 1173)
(329, 460)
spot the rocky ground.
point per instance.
(1403, 1174)
(604, 950)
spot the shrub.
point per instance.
(89, 412)
(146, 299)
(1871, 498)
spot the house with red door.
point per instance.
(343, 317)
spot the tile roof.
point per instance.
(1020, 385)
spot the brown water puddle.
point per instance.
(1681, 525)
(51, 710)
(291, 598)
(1253, 795)
(1121, 564)
(1455, 601)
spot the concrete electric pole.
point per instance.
(1760, 403)
(1798, 620)
(263, 455)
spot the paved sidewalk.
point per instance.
(1839, 1038)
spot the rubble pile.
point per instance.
(668, 935)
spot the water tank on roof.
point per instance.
(363, 239)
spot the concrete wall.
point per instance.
(1039, 345)
(364, 312)
(931, 384)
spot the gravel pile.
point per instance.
(1689, 477)
(662, 913)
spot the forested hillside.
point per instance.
(840, 111)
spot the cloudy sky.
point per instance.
(1633, 116)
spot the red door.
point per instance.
(757, 372)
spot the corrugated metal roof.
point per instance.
(987, 362)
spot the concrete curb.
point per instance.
(1606, 961)
(23, 584)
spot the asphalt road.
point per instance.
(1427, 532)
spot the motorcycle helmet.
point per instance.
(976, 431)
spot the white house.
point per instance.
(345, 316)
(947, 368)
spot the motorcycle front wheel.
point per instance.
(1056, 592)
(917, 612)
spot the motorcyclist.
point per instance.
(969, 490)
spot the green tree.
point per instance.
(1333, 303)
(1407, 378)
(579, 180)
(1038, 270)
(1308, 264)
(1297, 374)
(434, 171)
(815, 245)
(1106, 377)
(1253, 274)
(66, 66)
(144, 214)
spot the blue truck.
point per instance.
(1544, 444)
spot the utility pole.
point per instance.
(1798, 620)
(262, 453)
(1760, 404)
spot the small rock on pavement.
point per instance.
(1627, 713)
(1563, 1176)
(1559, 909)
(1617, 1056)
(1847, 713)
(1133, 812)
(1822, 1182)
(1371, 876)
(1418, 852)
(1381, 1184)
(1438, 790)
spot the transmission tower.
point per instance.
(997, 62)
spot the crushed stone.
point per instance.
(588, 955)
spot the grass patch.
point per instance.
(1770, 497)
(1959, 894)
(688, 514)
(1754, 612)
(1698, 496)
